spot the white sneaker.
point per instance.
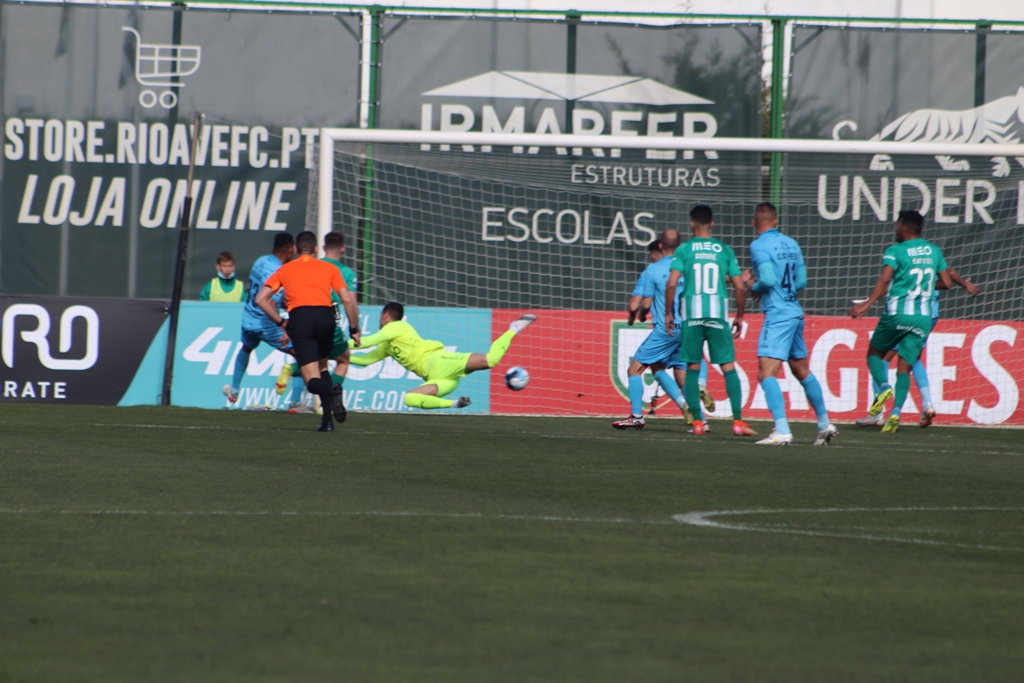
(869, 421)
(927, 416)
(231, 393)
(522, 322)
(776, 439)
(707, 399)
(826, 435)
(631, 422)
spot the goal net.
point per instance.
(470, 230)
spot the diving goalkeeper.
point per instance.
(441, 370)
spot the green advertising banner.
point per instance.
(98, 105)
(551, 227)
(908, 86)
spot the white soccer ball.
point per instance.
(517, 378)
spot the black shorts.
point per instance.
(311, 329)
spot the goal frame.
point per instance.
(328, 137)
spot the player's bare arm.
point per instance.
(881, 287)
(348, 299)
(670, 297)
(741, 304)
(634, 309)
(750, 281)
(962, 282)
(264, 299)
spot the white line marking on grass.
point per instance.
(680, 438)
(360, 513)
(705, 519)
(698, 518)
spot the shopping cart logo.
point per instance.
(160, 66)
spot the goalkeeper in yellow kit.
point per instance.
(441, 370)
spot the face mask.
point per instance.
(222, 276)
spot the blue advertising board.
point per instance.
(208, 341)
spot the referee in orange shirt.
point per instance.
(308, 283)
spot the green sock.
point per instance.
(879, 371)
(426, 402)
(337, 379)
(902, 389)
(498, 349)
(735, 391)
(692, 389)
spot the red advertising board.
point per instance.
(578, 359)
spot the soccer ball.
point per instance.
(517, 378)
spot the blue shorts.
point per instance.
(267, 332)
(659, 347)
(782, 339)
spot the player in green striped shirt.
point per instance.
(706, 264)
(911, 271)
(334, 247)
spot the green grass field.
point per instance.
(176, 545)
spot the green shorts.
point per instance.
(716, 333)
(907, 333)
(445, 369)
(340, 344)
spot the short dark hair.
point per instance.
(766, 209)
(283, 240)
(305, 242)
(702, 214)
(654, 245)
(912, 220)
(334, 240)
(395, 310)
(225, 256)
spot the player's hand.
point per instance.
(668, 324)
(859, 310)
(737, 326)
(972, 289)
(285, 339)
(632, 318)
(357, 337)
(642, 317)
(747, 276)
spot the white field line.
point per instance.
(700, 518)
(846, 445)
(363, 513)
(705, 519)
(902, 530)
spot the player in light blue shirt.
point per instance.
(660, 350)
(779, 273)
(256, 326)
(635, 307)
